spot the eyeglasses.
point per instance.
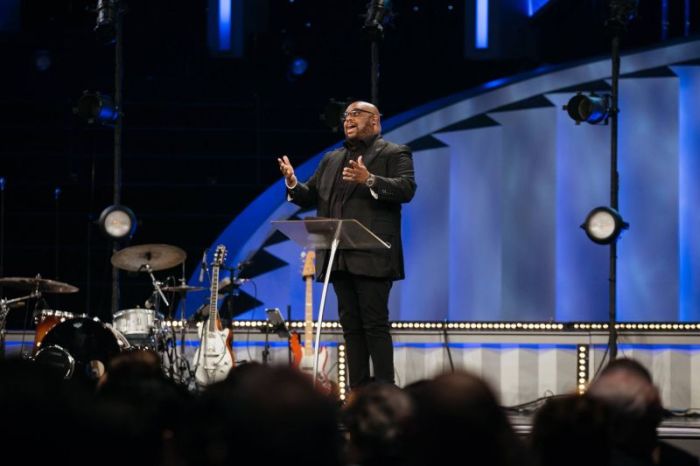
(355, 113)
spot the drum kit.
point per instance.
(76, 345)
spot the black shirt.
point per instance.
(342, 189)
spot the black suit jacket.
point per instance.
(392, 165)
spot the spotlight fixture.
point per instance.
(333, 112)
(117, 222)
(106, 26)
(592, 109)
(603, 225)
(42, 60)
(623, 11)
(298, 66)
(95, 107)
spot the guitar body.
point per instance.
(214, 359)
(306, 362)
(303, 354)
(295, 348)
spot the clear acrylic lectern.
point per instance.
(328, 233)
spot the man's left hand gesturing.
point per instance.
(356, 172)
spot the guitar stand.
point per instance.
(266, 349)
(279, 329)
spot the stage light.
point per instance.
(117, 222)
(106, 26)
(592, 108)
(42, 60)
(623, 11)
(333, 113)
(95, 107)
(603, 225)
(296, 68)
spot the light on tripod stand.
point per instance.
(603, 225)
(117, 222)
(95, 107)
(592, 108)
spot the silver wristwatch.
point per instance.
(370, 180)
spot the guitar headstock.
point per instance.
(219, 255)
(309, 267)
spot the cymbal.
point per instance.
(182, 288)
(40, 284)
(157, 256)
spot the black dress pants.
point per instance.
(363, 309)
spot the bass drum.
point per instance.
(80, 347)
(45, 320)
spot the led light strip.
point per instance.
(493, 326)
(582, 369)
(342, 373)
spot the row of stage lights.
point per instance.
(494, 326)
(116, 221)
(641, 326)
(603, 225)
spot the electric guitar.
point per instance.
(214, 358)
(304, 355)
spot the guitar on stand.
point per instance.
(214, 358)
(303, 356)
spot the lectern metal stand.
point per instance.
(333, 234)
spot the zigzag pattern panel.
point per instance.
(505, 179)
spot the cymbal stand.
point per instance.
(5, 309)
(156, 287)
(181, 360)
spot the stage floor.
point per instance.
(522, 361)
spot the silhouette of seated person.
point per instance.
(566, 423)
(636, 411)
(44, 416)
(263, 414)
(457, 415)
(139, 406)
(374, 416)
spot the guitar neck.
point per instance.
(308, 317)
(213, 313)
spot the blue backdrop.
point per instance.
(505, 179)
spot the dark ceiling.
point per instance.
(201, 132)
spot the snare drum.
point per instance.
(45, 320)
(139, 326)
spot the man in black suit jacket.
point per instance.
(367, 179)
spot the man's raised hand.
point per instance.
(287, 171)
